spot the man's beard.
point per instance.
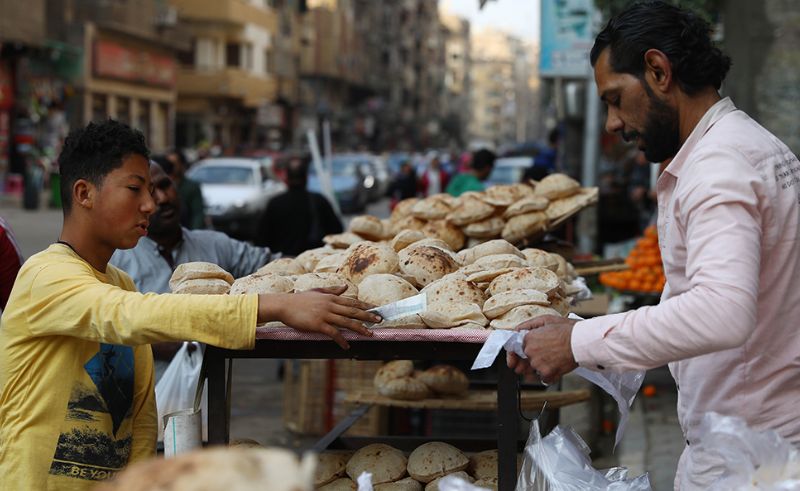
(660, 136)
(161, 227)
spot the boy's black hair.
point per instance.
(92, 152)
(483, 159)
(683, 36)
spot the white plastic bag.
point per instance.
(560, 462)
(177, 387)
(455, 483)
(731, 456)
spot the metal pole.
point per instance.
(591, 143)
(322, 172)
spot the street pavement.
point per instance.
(652, 442)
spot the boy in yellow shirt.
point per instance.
(76, 370)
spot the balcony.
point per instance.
(229, 82)
(226, 11)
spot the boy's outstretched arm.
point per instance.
(323, 311)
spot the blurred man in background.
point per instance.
(480, 168)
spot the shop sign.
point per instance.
(113, 60)
(567, 36)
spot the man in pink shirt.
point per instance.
(728, 221)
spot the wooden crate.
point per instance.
(306, 409)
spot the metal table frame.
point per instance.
(507, 415)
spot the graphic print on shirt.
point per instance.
(88, 447)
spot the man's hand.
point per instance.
(321, 310)
(548, 348)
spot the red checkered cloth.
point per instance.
(455, 335)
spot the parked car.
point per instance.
(236, 192)
(509, 170)
(352, 180)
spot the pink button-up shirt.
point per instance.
(729, 319)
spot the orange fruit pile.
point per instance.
(646, 273)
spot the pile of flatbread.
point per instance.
(398, 380)
(392, 470)
(513, 212)
(493, 284)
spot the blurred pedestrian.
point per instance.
(481, 166)
(192, 207)
(434, 179)
(404, 184)
(10, 261)
(298, 219)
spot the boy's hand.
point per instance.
(322, 311)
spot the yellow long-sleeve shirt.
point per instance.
(77, 400)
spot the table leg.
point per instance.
(217, 424)
(507, 426)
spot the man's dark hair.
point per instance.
(163, 162)
(92, 152)
(297, 171)
(553, 136)
(682, 35)
(483, 159)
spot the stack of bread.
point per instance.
(200, 278)
(493, 284)
(398, 380)
(513, 212)
(392, 471)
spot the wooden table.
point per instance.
(387, 344)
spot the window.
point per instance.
(186, 58)
(232, 58)
(124, 110)
(99, 107)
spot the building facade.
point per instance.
(237, 83)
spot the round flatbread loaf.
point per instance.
(497, 246)
(560, 305)
(242, 469)
(445, 379)
(495, 261)
(407, 484)
(408, 223)
(368, 227)
(261, 284)
(484, 276)
(541, 259)
(309, 259)
(532, 278)
(503, 302)
(557, 186)
(284, 266)
(435, 459)
(453, 289)
(392, 370)
(502, 195)
(385, 463)
(527, 205)
(563, 207)
(434, 485)
(483, 465)
(485, 229)
(213, 286)
(562, 270)
(331, 263)
(381, 289)
(198, 270)
(341, 484)
(469, 208)
(343, 240)
(434, 207)
(368, 258)
(330, 466)
(523, 226)
(426, 264)
(444, 315)
(434, 242)
(405, 238)
(404, 389)
(516, 316)
(489, 483)
(446, 231)
(402, 209)
(310, 281)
